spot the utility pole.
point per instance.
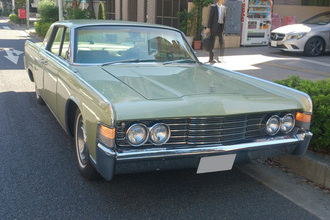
(27, 14)
(60, 10)
(13, 6)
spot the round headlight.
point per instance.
(273, 125)
(287, 123)
(137, 135)
(159, 133)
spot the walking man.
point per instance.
(215, 27)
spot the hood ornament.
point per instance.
(212, 87)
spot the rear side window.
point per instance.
(66, 45)
(55, 49)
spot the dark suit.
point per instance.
(216, 29)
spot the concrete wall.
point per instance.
(287, 2)
(125, 10)
(300, 12)
(151, 11)
(140, 11)
(117, 9)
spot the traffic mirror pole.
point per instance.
(60, 10)
(27, 14)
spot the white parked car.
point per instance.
(312, 37)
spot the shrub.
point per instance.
(319, 92)
(42, 27)
(48, 11)
(14, 18)
(48, 14)
(101, 14)
(79, 13)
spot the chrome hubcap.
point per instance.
(81, 142)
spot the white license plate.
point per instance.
(216, 163)
(273, 43)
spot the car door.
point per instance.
(51, 69)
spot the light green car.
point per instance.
(135, 98)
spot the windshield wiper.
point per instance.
(180, 61)
(126, 61)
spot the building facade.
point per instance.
(149, 11)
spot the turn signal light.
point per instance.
(303, 117)
(106, 135)
(107, 132)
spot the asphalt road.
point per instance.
(39, 178)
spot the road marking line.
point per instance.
(316, 62)
(281, 66)
(11, 55)
(6, 27)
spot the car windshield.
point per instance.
(113, 44)
(321, 19)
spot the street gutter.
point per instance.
(311, 166)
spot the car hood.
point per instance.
(157, 90)
(295, 28)
(155, 82)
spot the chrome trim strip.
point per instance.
(203, 150)
(106, 150)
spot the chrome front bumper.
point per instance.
(110, 162)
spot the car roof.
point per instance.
(81, 23)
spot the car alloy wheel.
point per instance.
(314, 47)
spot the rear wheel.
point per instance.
(85, 165)
(314, 46)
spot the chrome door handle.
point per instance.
(43, 61)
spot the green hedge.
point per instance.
(48, 15)
(79, 13)
(14, 18)
(319, 91)
(42, 27)
(48, 11)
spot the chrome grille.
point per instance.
(203, 130)
(277, 37)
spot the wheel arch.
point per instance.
(70, 113)
(30, 73)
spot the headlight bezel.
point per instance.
(145, 139)
(151, 134)
(278, 124)
(282, 123)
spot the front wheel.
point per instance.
(314, 47)
(85, 165)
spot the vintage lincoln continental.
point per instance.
(135, 98)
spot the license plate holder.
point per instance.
(273, 43)
(216, 163)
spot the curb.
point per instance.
(311, 166)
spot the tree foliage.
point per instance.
(101, 14)
(48, 11)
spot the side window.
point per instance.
(47, 37)
(55, 49)
(66, 45)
